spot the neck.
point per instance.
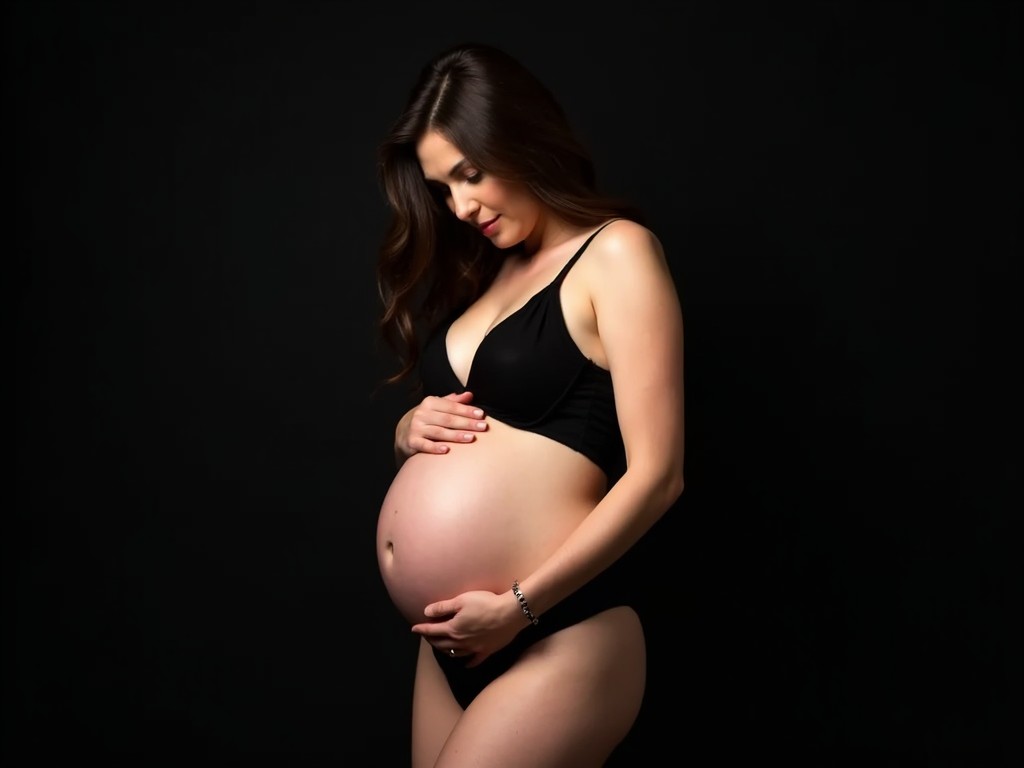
(549, 235)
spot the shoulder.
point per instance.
(624, 246)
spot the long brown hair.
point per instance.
(508, 124)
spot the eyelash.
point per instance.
(443, 191)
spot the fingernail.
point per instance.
(466, 437)
(478, 414)
(481, 425)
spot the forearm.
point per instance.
(625, 514)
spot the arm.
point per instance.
(435, 421)
(640, 327)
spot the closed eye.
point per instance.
(443, 192)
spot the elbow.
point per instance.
(666, 488)
(673, 486)
(663, 481)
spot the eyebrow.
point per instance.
(453, 170)
(457, 167)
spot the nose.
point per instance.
(464, 205)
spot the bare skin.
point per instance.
(438, 421)
(570, 698)
(465, 521)
(552, 708)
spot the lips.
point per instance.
(488, 226)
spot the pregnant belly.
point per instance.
(480, 516)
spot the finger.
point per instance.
(440, 608)
(464, 399)
(436, 440)
(452, 428)
(431, 631)
(428, 446)
(464, 419)
(450, 651)
(446, 647)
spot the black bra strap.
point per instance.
(582, 248)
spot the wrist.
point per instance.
(524, 605)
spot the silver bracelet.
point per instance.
(522, 603)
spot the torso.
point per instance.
(490, 511)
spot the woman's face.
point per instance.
(503, 211)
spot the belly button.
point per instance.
(390, 547)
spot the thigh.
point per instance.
(568, 700)
(434, 709)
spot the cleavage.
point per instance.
(454, 363)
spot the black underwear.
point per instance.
(609, 589)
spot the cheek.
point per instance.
(524, 205)
(524, 208)
(510, 205)
(499, 197)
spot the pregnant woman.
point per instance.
(541, 321)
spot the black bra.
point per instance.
(529, 373)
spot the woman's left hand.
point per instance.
(473, 624)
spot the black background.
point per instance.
(200, 454)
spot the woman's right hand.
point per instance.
(437, 421)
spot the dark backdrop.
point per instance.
(189, 572)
